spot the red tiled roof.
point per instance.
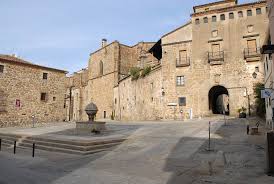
(13, 59)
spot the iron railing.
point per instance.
(252, 52)
(214, 57)
(182, 62)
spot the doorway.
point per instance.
(218, 99)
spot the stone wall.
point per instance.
(21, 87)
(140, 99)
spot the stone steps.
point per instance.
(80, 147)
(29, 143)
(61, 150)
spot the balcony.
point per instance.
(183, 62)
(216, 58)
(252, 52)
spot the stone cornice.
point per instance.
(215, 3)
(232, 8)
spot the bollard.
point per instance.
(209, 124)
(14, 148)
(33, 149)
(0, 144)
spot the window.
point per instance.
(183, 55)
(115, 101)
(257, 69)
(223, 17)
(180, 80)
(215, 48)
(252, 44)
(101, 72)
(231, 15)
(214, 33)
(214, 18)
(240, 14)
(45, 76)
(54, 98)
(197, 21)
(182, 101)
(1, 68)
(249, 13)
(43, 97)
(205, 20)
(3, 102)
(258, 11)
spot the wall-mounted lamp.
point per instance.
(254, 75)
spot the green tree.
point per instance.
(260, 102)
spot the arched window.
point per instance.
(197, 21)
(205, 20)
(240, 14)
(101, 72)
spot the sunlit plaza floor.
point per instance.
(165, 152)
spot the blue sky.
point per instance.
(62, 33)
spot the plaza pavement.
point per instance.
(165, 152)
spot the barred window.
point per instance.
(180, 80)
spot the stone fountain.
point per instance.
(91, 125)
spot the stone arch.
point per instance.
(218, 98)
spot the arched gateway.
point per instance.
(218, 99)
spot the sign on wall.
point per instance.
(266, 93)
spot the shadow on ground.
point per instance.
(46, 167)
(235, 158)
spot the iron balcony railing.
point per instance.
(182, 62)
(252, 52)
(215, 56)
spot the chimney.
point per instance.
(104, 42)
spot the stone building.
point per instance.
(268, 50)
(207, 66)
(28, 90)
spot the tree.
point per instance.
(259, 102)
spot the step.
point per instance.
(7, 141)
(74, 142)
(69, 151)
(14, 136)
(29, 144)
